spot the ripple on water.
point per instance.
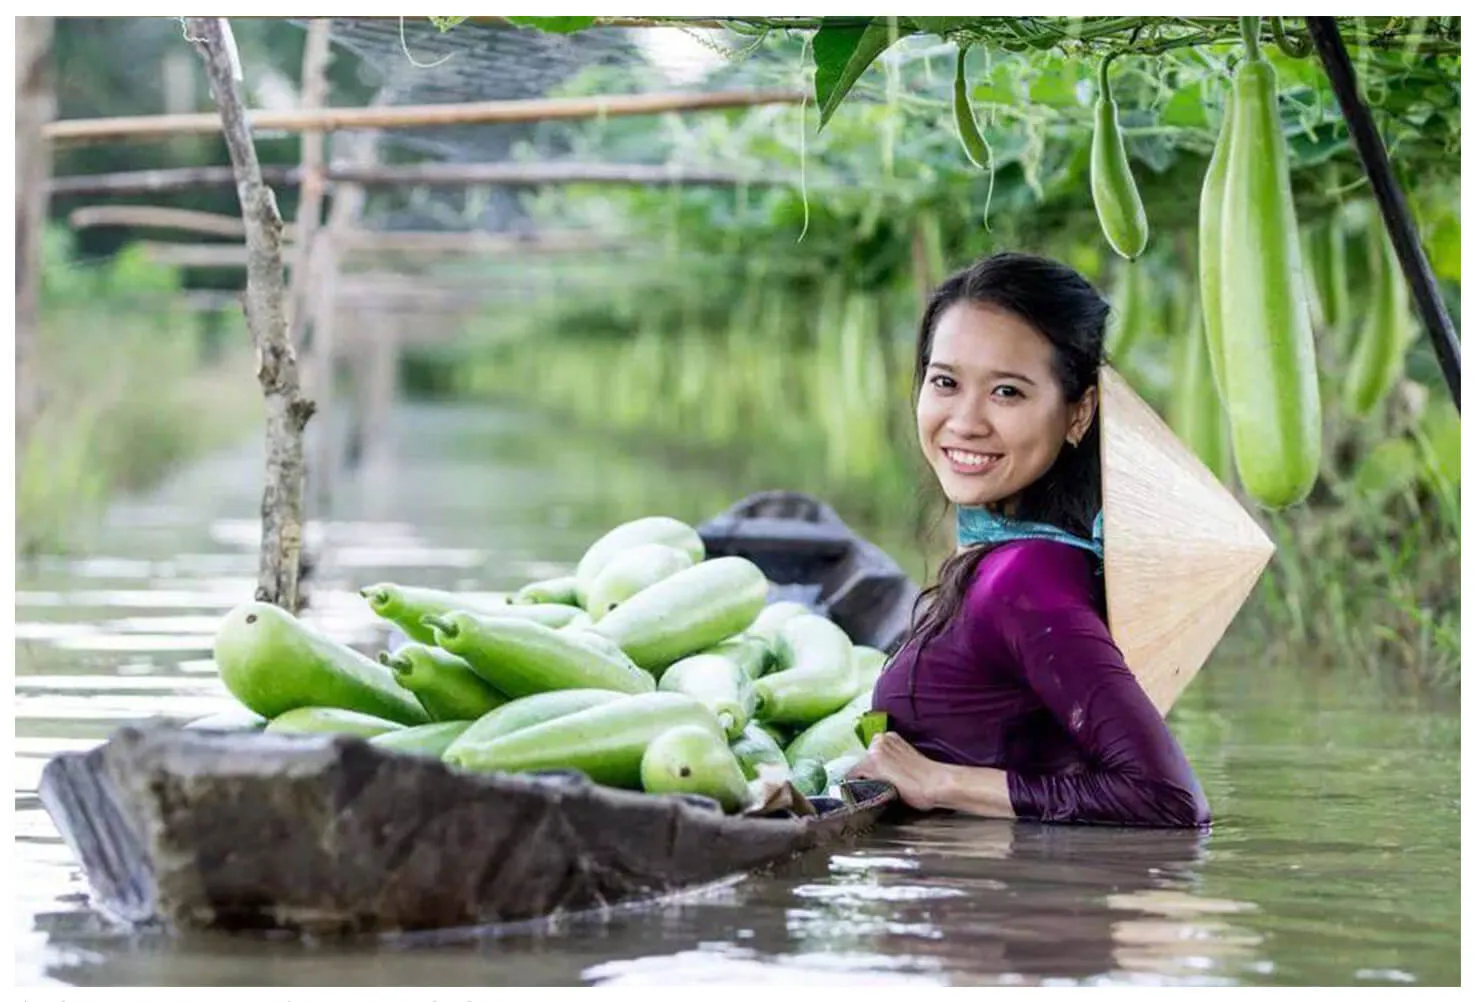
(34, 685)
(217, 595)
(133, 642)
(849, 863)
(730, 965)
(116, 709)
(864, 893)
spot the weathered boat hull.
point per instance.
(330, 835)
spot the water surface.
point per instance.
(1334, 859)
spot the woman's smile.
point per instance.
(968, 463)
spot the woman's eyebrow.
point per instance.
(996, 373)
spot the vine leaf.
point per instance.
(445, 24)
(1186, 109)
(555, 25)
(842, 54)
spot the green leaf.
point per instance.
(446, 23)
(1186, 108)
(1053, 91)
(1307, 149)
(555, 25)
(1392, 466)
(1157, 152)
(1440, 437)
(1444, 246)
(997, 88)
(841, 56)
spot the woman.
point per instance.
(1010, 698)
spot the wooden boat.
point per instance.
(813, 557)
(186, 828)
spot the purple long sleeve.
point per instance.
(1027, 679)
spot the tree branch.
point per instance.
(287, 411)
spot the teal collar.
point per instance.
(981, 525)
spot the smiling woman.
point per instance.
(1011, 698)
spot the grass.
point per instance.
(1371, 587)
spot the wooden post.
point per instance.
(322, 306)
(381, 371)
(922, 278)
(310, 196)
(287, 410)
(308, 263)
(178, 84)
(35, 105)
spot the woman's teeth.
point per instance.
(971, 460)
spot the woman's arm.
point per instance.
(927, 785)
(1136, 773)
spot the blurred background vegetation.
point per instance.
(767, 327)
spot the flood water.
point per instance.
(1335, 858)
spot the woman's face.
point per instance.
(991, 416)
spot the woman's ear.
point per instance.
(1081, 416)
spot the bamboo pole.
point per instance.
(381, 358)
(158, 217)
(310, 198)
(368, 243)
(323, 308)
(473, 242)
(287, 410)
(508, 174)
(511, 174)
(307, 280)
(604, 22)
(148, 182)
(88, 130)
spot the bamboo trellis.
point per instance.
(87, 130)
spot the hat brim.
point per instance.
(1180, 553)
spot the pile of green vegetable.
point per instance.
(650, 668)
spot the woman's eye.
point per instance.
(1007, 391)
(943, 382)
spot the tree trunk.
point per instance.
(287, 410)
(35, 105)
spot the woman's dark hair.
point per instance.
(1064, 307)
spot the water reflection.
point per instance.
(1032, 902)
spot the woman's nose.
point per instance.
(969, 421)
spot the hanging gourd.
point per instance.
(1114, 191)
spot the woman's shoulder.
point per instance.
(1035, 573)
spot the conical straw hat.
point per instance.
(1180, 553)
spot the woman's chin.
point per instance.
(969, 495)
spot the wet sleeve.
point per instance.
(1136, 772)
